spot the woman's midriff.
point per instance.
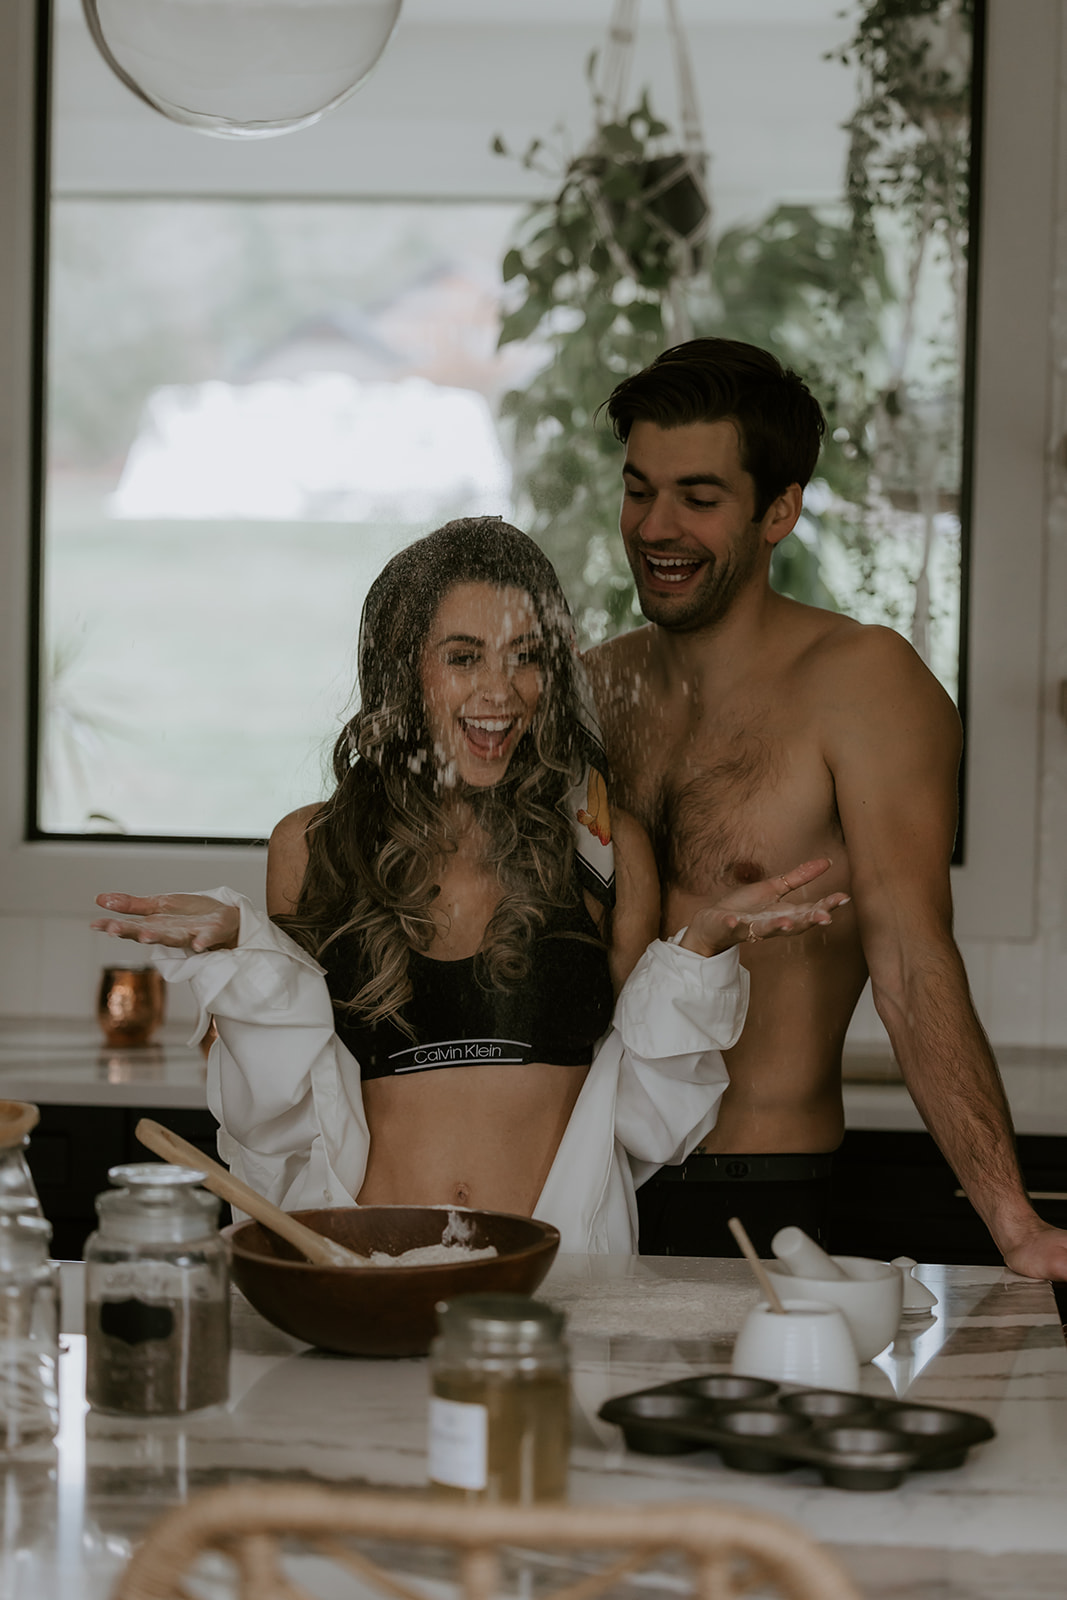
(481, 1136)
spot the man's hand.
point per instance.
(183, 921)
(1040, 1253)
(757, 912)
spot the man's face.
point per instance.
(687, 522)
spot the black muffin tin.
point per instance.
(854, 1440)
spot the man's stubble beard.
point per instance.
(721, 583)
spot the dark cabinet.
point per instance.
(72, 1148)
(894, 1194)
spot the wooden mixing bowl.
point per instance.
(382, 1311)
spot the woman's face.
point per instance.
(481, 680)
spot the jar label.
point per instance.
(135, 1321)
(459, 1444)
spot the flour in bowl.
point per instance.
(454, 1247)
(432, 1255)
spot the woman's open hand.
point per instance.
(758, 912)
(184, 921)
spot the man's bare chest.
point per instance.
(731, 801)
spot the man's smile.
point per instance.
(670, 571)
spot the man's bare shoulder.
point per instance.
(623, 679)
(883, 658)
(620, 657)
(867, 681)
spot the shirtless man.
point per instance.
(747, 731)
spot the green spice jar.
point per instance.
(157, 1310)
(500, 1400)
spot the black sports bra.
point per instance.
(556, 1015)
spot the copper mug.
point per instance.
(131, 1004)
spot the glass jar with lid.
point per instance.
(29, 1324)
(500, 1401)
(157, 1314)
(17, 1117)
(16, 1181)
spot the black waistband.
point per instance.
(748, 1169)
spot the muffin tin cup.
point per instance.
(862, 1455)
(854, 1441)
(652, 1425)
(751, 1437)
(933, 1425)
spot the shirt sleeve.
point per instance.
(282, 1086)
(676, 1014)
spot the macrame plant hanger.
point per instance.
(674, 194)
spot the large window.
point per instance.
(254, 397)
(252, 406)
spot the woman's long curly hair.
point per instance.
(375, 847)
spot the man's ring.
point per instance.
(752, 937)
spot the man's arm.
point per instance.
(893, 747)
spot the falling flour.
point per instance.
(652, 1308)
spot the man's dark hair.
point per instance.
(779, 423)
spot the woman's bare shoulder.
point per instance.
(631, 841)
(637, 898)
(287, 859)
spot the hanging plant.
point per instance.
(598, 272)
(910, 158)
(909, 149)
(788, 282)
(627, 209)
(603, 284)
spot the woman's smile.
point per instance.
(488, 737)
(481, 680)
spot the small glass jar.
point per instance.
(29, 1328)
(16, 1180)
(157, 1310)
(500, 1400)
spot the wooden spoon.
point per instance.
(17, 1117)
(319, 1250)
(736, 1227)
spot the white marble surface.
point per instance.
(54, 1062)
(1035, 1082)
(994, 1529)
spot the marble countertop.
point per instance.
(65, 1062)
(61, 1062)
(1035, 1081)
(993, 1529)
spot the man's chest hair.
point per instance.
(724, 802)
(704, 811)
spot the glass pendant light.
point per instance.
(242, 69)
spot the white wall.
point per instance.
(1011, 904)
(1012, 894)
(456, 73)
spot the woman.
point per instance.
(475, 914)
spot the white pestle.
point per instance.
(917, 1297)
(801, 1256)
